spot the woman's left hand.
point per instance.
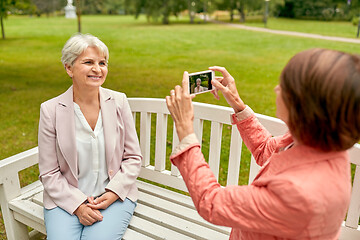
(103, 201)
(181, 108)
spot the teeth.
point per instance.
(97, 77)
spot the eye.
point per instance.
(88, 62)
(102, 63)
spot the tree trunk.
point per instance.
(2, 27)
(165, 19)
(241, 11)
(190, 12)
(205, 10)
(78, 13)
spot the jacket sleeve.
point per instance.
(271, 209)
(258, 140)
(125, 178)
(55, 184)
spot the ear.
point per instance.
(69, 71)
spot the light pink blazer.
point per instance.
(300, 193)
(58, 161)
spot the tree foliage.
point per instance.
(322, 10)
(6, 6)
(156, 10)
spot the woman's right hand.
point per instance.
(227, 86)
(87, 216)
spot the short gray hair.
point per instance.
(77, 44)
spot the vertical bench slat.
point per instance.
(145, 132)
(175, 141)
(160, 144)
(234, 157)
(198, 129)
(254, 169)
(215, 147)
(134, 117)
(353, 214)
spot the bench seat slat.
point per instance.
(29, 213)
(153, 230)
(131, 234)
(177, 224)
(188, 214)
(165, 194)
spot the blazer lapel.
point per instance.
(108, 112)
(65, 129)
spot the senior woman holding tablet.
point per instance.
(303, 188)
(89, 155)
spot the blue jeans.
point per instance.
(61, 225)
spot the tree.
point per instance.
(3, 4)
(240, 4)
(155, 9)
(47, 6)
(323, 10)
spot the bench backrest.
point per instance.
(209, 123)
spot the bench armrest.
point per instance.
(12, 165)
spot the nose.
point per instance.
(276, 88)
(95, 68)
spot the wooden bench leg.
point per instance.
(9, 189)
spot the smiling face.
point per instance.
(89, 69)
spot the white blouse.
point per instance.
(90, 144)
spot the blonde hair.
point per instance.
(77, 44)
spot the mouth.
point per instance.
(94, 77)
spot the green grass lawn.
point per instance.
(146, 60)
(326, 28)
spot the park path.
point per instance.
(291, 33)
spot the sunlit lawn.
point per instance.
(146, 60)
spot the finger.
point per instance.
(192, 96)
(93, 206)
(185, 83)
(94, 217)
(223, 70)
(99, 199)
(85, 222)
(218, 85)
(90, 199)
(168, 102)
(101, 205)
(172, 93)
(177, 91)
(215, 93)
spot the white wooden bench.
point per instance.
(161, 213)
